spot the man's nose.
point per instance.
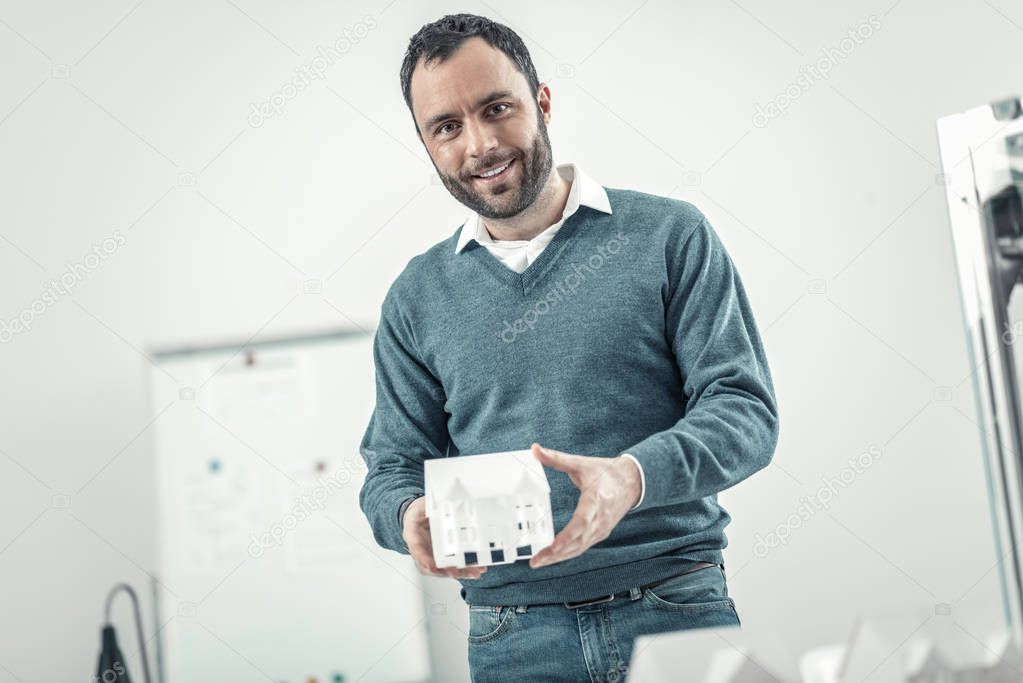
(480, 139)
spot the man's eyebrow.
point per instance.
(486, 99)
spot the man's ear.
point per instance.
(543, 95)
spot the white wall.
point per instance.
(133, 119)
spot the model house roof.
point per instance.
(508, 473)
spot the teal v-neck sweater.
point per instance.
(630, 333)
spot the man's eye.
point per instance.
(442, 131)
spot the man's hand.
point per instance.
(608, 488)
(416, 532)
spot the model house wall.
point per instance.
(487, 509)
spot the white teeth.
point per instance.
(488, 174)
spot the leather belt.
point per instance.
(627, 593)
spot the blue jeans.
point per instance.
(552, 643)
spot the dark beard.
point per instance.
(536, 169)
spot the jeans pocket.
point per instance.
(698, 591)
(487, 623)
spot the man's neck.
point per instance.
(540, 215)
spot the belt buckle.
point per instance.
(595, 601)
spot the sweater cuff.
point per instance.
(392, 536)
(402, 509)
(642, 480)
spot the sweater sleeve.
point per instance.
(408, 425)
(729, 426)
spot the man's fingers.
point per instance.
(564, 462)
(572, 540)
(582, 520)
(422, 554)
(429, 567)
(467, 572)
(551, 458)
(426, 569)
(560, 549)
(551, 555)
(432, 567)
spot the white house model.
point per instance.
(487, 509)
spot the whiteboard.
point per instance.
(267, 565)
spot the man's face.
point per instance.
(474, 113)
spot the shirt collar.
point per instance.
(585, 191)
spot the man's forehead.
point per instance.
(461, 81)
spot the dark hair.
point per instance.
(439, 40)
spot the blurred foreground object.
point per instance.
(982, 164)
(111, 667)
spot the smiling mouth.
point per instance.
(493, 178)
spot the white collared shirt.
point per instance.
(519, 254)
